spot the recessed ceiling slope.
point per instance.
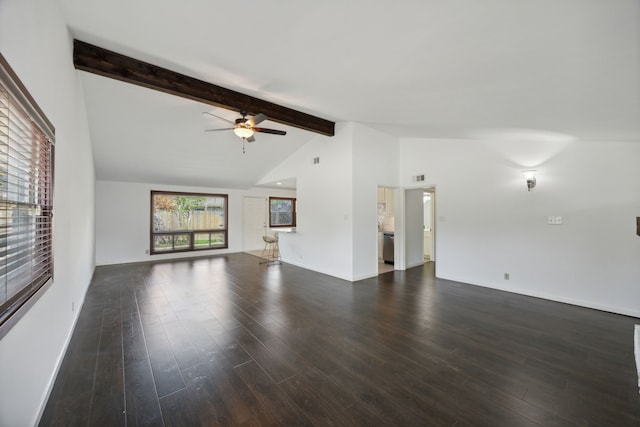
(411, 68)
(142, 135)
(417, 68)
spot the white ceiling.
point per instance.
(423, 68)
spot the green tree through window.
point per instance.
(188, 221)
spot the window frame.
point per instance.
(38, 200)
(192, 247)
(293, 212)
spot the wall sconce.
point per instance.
(530, 176)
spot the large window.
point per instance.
(26, 199)
(188, 222)
(282, 212)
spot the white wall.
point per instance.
(337, 200)
(375, 163)
(488, 224)
(122, 220)
(323, 240)
(35, 41)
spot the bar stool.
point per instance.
(271, 251)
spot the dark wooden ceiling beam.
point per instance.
(94, 59)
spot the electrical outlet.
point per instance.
(554, 220)
(73, 306)
(506, 276)
(146, 251)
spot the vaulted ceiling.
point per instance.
(423, 68)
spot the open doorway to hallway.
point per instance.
(386, 211)
(428, 199)
(254, 224)
(417, 233)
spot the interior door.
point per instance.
(414, 227)
(254, 223)
(429, 224)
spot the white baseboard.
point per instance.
(415, 264)
(307, 267)
(329, 273)
(58, 365)
(550, 297)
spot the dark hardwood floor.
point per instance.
(227, 341)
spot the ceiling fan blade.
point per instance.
(215, 130)
(271, 131)
(258, 118)
(218, 117)
(251, 139)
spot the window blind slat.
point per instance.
(26, 182)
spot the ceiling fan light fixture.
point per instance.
(243, 132)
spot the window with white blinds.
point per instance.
(26, 198)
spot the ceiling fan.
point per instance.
(245, 126)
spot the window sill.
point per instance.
(283, 229)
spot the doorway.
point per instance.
(416, 233)
(386, 229)
(254, 224)
(428, 199)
